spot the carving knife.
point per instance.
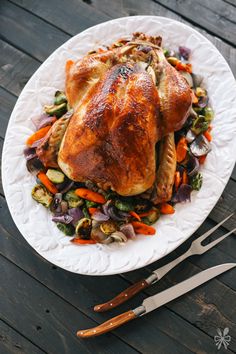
(153, 302)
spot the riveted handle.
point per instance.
(123, 296)
(108, 325)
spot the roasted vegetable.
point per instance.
(85, 212)
(90, 204)
(196, 181)
(83, 228)
(141, 228)
(56, 110)
(60, 98)
(47, 183)
(208, 113)
(108, 227)
(200, 146)
(41, 195)
(152, 216)
(124, 205)
(118, 236)
(200, 125)
(55, 176)
(68, 229)
(183, 194)
(167, 208)
(90, 195)
(38, 135)
(72, 199)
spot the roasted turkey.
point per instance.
(125, 99)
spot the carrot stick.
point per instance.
(47, 183)
(135, 215)
(185, 178)
(92, 210)
(177, 179)
(80, 241)
(181, 149)
(143, 215)
(90, 195)
(38, 135)
(141, 228)
(167, 209)
(202, 159)
(184, 67)
(208, 135)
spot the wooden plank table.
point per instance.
(42, 306)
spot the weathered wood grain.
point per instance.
(29, 33)
(12, 342)
(1, 146)
(225, 206)
(84, 292)
(205, 307)
(46, 319)
(16, 68)
(218, 19)
(7, 102)
(71, 17)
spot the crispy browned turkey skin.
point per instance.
(111, 137)
(125, 100)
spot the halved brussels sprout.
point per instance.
(152, 217)
(124, 205)
(72, 199)
(68, 229)
(196, 182)
(200, 124)
(83, 228)
(56, 110)
(55, 176)
(41, 195)
(60, 98)
(108, 227)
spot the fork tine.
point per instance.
(209, 232)
(213, 243)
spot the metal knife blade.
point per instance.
(155, 301)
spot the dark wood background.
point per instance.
(42, 306)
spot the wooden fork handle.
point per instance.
(123, 296)
(108, 325)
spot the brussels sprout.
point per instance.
(108, 227)
(83, 228)
(165, 52)
(41, 195)
(60, 98)
(55, 176)
(86, 213)
(196, 182)
(68, 229)
(90, 204)
(152, 217)
(208, 113)
(73, 200)
(56, 110)
(124, 205)
(200, 124)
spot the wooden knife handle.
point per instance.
(108, 325)
(122, 297)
